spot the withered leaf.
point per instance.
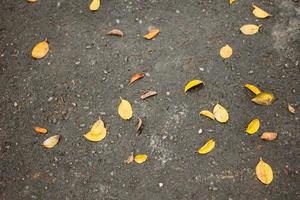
(269, 136)
(136, 77)
(129, 159)
(250, 29)
(148, 94)
(220, 113)
(115, 32)
(51, 141)
(139, 126)
(153, 32)
(40, 130)
(291, 109)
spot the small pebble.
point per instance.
(15, 104)
(160, 184)
(200, 131)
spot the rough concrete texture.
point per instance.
(86, 71)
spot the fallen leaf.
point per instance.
(51, 141)
(192, 84)
(148, 94)
(269, 136)
(40, 130)
(32, 1)
(231, 1)
(291, 109)
(129, 159)
(210, 145)
(260, 13)
(264, 172)
(139, 126)
(40, 50)
(220, 113)
(152, 33)
(97, 132)
(208, 114)
(253, 126)
(140, 158)
(252, 88)
(250, 29)
(115, 32)
(226, 51)
(136, 76)
(264, 98)
(125, 109)
(95, 5)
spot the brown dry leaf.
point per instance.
(252, 88)
(264, 172)
(192, 84)
(226, 51)
(220, 113)
(97, 132)
(125, 109)
(139, 126)
(95, 5)
(115, 32)
(136, 77)
(250, 29)
(291, 109)
(148, 94)
(231, 1)
(40, 130)
(32, 1)
(253, 126)
(209, 145)
(140, 158)
(152, 33)
(264, 98)
(269, 136)
(51, 141)
(260, 13)
(129, 159)
(208, 114)
(40, 50)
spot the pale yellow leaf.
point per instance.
(125, 109)
(51, 141)
(220, 113)
(97, 127)
(152, 33)
(252, 88)
(97, 132)
(269, 136)
(264, 172)
(40, 50)
(140, 158)
(115, 32)
(264, 98)
(129, 159)
(291, 109)
(260, 13)
(249, 29)
(95, 5)
(40, 130)
(231, 1)
(208, 114)
(210, 145)
(253, 126)
(192, 84)
(226, 51)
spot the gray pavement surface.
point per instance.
(86, 71)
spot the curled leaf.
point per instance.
(40, 50)
(226, 51)
(139, 126)
(291, 109)
(115, 32)
(95, 5)
(148, 94)
(249, 29)
(209, 145)
(32, 1)
(260, 13)
(264, 98)
(40, 130)
(264, 172)
(140, 158)
(136, 76)
(152, 33)
(192, 84)
(97, 132)
(129, 159)
(269, 136)
(231, 1)
(51, 141)
(208, 114)
(252, 88)
(125, 109)
(220, 113)
(253, 126)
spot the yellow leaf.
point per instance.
(40, 130)
(231, 1)
(208, 114)
(140, 158)
(264, 98)
(40, 50)
(226, 51)
(97, 132)
(97, 126)
(291, 109)
(253, 126)
(264, 172)
(260, 13)
(252, 88)
(210, 145)
(220, 113)
(125, 110)
(152, 33)
(95, 4)
(249, 29)
(51, 141)
(192, 84)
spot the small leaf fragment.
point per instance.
(226, 51)
(115, 32)
(209, 145)
(148, 94)
(125, 109)
(249, 29)
(152, 33)
(260, 13)
(51, 141)
(136, 77)
(140, 158)
(129, 159)
(97, 132)
(268, 136)
(192, 84)
(231, 1)
(139, 126)
(253, 126)
(40, 130)
(32, 1)
(264, 98)
(208, 114)
(291, 109)
(264, 172)
(40, 50)
(220, 113)
(95, 5)
(252, 88)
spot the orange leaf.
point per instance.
(40, 130)
(152, 33)
(269, 136)
(136, 76)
